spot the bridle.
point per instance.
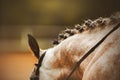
(91, 50)
(81, 60)
(38, 65)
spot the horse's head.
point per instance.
(56, 63)
(43, 70)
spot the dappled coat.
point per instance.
(102, 64)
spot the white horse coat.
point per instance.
(102, 64)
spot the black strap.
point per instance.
(91, 50)
(39, 63)
(38, 66)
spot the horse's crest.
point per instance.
(103, 64)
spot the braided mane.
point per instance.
(88, 25)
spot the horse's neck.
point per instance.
(72, 49)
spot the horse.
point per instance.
(102, 64)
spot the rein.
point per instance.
(91, 50)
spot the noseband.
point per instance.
(91, 50)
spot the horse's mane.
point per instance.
(88, 25)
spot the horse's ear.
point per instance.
(33, 45)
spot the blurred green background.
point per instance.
(44, 19)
